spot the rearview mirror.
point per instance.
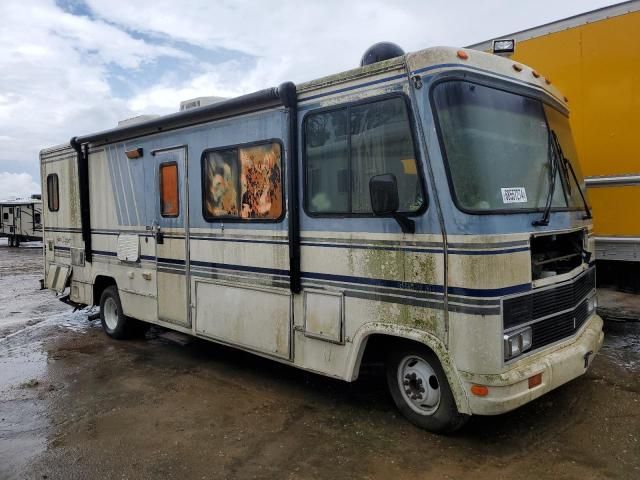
(385, 201)
(383, 190)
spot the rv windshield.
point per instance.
(498, 151)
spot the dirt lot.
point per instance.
(75, 404)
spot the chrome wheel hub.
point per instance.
(419, 385)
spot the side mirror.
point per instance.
(385, 200)
(384, 194)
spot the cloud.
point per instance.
(76, 66)
(17, 185)
(55, 77)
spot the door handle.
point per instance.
(157, 233)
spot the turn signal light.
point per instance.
(462, 54)
(480, 390)
(535, 380)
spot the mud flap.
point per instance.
(57, 277)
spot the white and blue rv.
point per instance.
(425, 209)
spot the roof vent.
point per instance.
(199, 102)
(379, 52)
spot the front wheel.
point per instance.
(420, 390)
(113, 319)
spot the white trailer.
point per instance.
(426, 209)
(21, 221)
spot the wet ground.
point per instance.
(76, 404)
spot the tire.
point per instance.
(415, 372)
(112, 317)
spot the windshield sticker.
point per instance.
(514, 195)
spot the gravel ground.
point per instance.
(76, 404)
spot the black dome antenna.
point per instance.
(379, 52)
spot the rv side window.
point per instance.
(53, 195)
(346, 147)
(243, 183)
(169, 192)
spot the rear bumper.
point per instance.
(510, 389)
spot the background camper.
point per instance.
(21, 221)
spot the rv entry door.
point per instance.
(170, 231)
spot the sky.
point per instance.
(71, 67)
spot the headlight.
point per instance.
(516, 343)
(592, 304)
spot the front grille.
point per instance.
(556, 328)
(526, 309)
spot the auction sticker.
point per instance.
(514, 195)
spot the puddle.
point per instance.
(23, 420)
(622, 344)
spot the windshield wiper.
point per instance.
(566, 163)
(553, 163)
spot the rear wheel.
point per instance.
(421, 391)
(113, 319)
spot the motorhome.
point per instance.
(21, 220)
(424, 209)
(601, 84)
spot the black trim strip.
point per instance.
(261, 99)
(289, 98)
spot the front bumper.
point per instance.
(510, 389)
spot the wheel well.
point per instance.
(379, 345)
(99, 285)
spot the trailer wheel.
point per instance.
(420, 390)
(113, 319)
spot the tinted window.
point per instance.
(243, 183)
(346, 147)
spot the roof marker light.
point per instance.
(504, 46)
(547, 81)
(517, 68)
(566, 99)
(462, 55)
(535, 74)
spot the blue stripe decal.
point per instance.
(418, 250)
(104, 253)
(471, 292)
(487, 252)
(232, 240)
(240, 268)
(421, 287)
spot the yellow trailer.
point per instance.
(594, 59)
